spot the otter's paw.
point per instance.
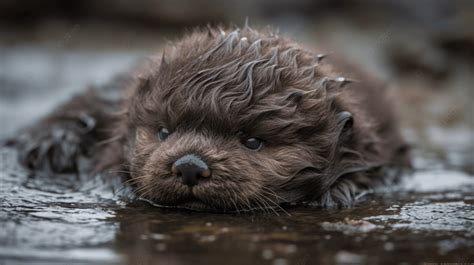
(55, 148)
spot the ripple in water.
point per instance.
(56, 220)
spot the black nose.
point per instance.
(190, 169)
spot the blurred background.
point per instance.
(423, 50)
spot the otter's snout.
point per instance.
(190, 169)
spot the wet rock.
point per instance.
(350, 226)
(418, 59)
(443, 216)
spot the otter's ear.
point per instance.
(345, 122)
(141, 89)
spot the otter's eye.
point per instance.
(252, 143)
(163, 134)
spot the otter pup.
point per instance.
(229, 121)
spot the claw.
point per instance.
(88, 121)
(320, 57)
(53, 149)
(343, 81)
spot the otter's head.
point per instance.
(233, 121)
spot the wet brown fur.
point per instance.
(215, 87)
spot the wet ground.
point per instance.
(91, 220)
(429, 217)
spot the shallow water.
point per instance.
(91, 220)
(429, 217)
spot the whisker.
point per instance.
(261, 203)
(268, 190)
(232, 200)
(110, 140)
(271, 192)
(265, 201)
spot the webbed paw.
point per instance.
(56, 146)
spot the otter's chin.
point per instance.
(189, 203)
(195, 204)
(198, 205)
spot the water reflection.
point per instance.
(45, 219)
(92, 220)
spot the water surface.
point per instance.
(92, 219)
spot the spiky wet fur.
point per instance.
(214, 87)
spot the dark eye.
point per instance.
(252, 143)
(163, 134)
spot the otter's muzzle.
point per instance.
(190, 169)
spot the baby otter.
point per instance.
(230, 121)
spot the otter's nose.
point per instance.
(190, 169)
